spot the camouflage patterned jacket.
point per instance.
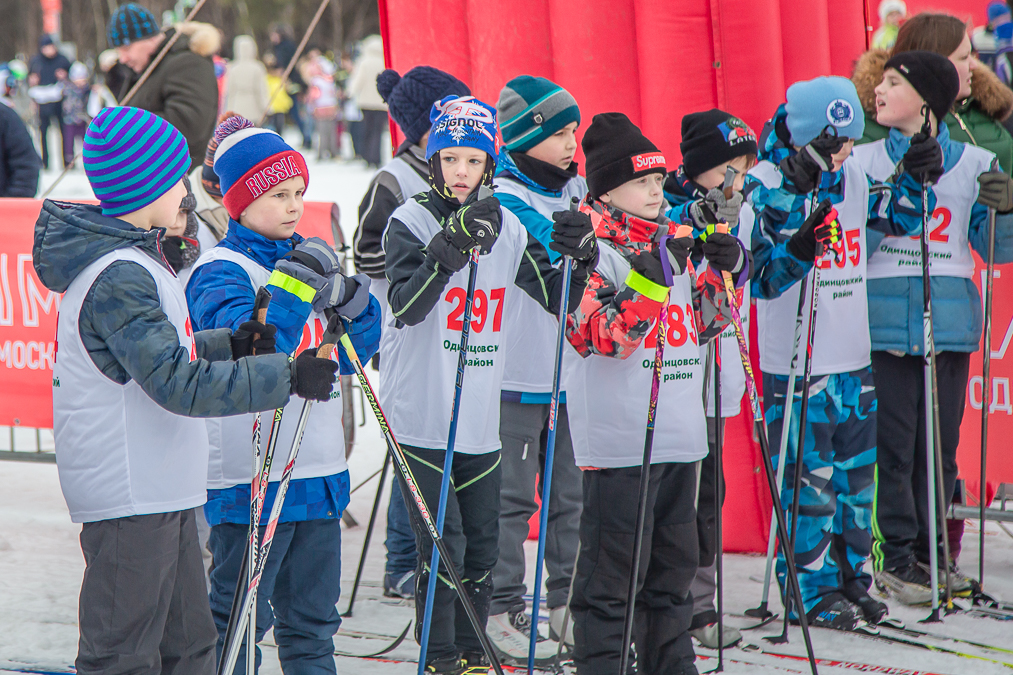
(127, 334)
(613, 318)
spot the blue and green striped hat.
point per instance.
(132, 158)
(531, 109)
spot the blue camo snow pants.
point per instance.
(834, 536)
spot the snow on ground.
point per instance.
(41, 563)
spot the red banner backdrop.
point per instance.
(28, 313)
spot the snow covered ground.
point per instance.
(41, 563)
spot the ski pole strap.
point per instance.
(645, 286)
(301, 290)
(666, 264)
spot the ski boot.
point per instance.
(833, 611)
(909, 584)
(705, 629)
(450, 665)
(475, 663)
(872, 610)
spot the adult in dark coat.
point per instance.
(19, 163)
(45, 69)
(182, 88)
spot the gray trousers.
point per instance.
(704, 584)
(523, 429)
(144, 605)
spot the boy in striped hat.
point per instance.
(130, 376)
(262, 181)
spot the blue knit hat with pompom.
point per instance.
(411, 96)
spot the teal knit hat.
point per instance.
(531, 109)
(132, 158)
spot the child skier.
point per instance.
(300, 588)
(806, 148)
(536, 177)
(919, 85)
(76, 93)
(712, 141)
(428, 245)
(409, 100)
(130, 373)
(607, 402)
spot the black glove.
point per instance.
(648, 263)
(573, 235)
(355, 295)
(996, 191)
(312, 377)
(253, 337)
(804, 167)
(924, 159)
(474, 224)
(445, 254)
(821, 226)
(724, 252)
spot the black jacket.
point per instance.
(19, 163)
(46, 67)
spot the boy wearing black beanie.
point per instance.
(917, 91)
(713, 142)
(640, 269)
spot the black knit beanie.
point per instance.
(616, 152)
(712, 138)
(932, 75)
(410, 97)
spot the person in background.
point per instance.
(19, 163)
(246, 91)
(279, 102)
(182, 88)
(891, 14)
(362, 89)
(47, 68)
(76, 94)
(322, 102)
(283, 47)
(101, 96)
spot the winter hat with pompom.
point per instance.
(132, 158)
(208, 177)
(411, 96)
(250, 161)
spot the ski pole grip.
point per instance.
(260, 304)
(335, 330)
(721, 228)
(683, 231)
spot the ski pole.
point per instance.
(369, 534)
(719, 439)
(258, 489)
(986, 391)
(448, 462)
(761, 433)
(231, 650)
(803, 414)
(645, 467)
(761, 612)
(260, 303)
(550, 450)
(394, 450)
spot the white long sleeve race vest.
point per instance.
(733, 378)
(842, 343)
(322, 452)
(607, 398)
(420, 362)
(118, 452)
(529, 331)
(956, 192)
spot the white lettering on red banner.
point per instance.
(648, 160)
(271, 175)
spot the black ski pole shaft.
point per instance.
(775, 496)
(401, 463)
(645, 471)
(986, 391)
(719, 439)
(369, 534)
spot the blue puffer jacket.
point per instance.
(220, 295)
(895, 305)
